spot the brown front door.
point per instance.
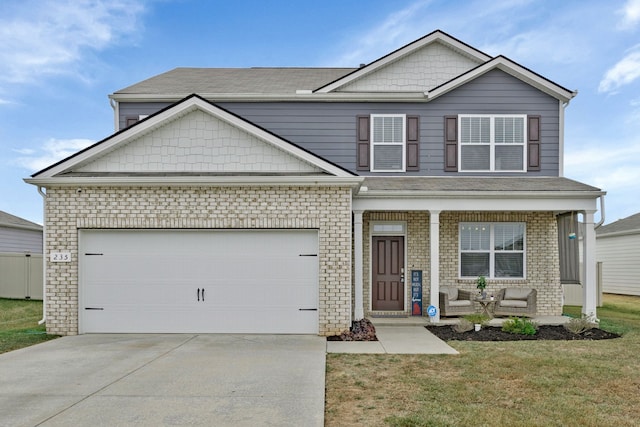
(387, 291)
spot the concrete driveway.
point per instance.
(157, 380)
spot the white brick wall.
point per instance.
(327, 209)
(198, 142)
(422, 70)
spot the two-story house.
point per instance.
(295, 200)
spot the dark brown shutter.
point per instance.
(413, 143)
(362, 143)
(451, 143)
(533, 143)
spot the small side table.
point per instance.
(487, 305)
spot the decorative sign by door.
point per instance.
(416, 292)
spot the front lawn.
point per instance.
(520, 383)
(19, 324)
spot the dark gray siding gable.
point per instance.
(328, 129)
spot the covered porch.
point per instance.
(416, 221)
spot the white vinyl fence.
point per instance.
(21, 276)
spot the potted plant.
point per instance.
(481, 283)
(478, 320)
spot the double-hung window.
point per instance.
(388, 145)
(494, 250)
(492, 143)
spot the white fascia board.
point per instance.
(183, 108)
(394, 56)
(206, 181)
(510, 68)
(486, 202)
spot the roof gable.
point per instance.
(193, 136)
(418, 66)
(510, 67)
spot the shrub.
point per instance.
(477, 318)
(464, 326)
(522, 326)
(579, 325)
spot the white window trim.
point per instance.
(492, 250)
(403, 143)
(492, 144)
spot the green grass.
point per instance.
(522, 383)
(19, 324)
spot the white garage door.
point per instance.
(185, 281)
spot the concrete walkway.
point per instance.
(161, 380)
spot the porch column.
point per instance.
(358, 310)
(590, 288)
(434, 259)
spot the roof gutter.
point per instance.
(44, 256)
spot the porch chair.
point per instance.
(516, 302)
(455, 302)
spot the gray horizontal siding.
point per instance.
(16, 240)
(328, 129)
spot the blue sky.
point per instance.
(59, 59)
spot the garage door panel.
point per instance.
(148, 281)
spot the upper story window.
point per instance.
(492, 143)
(494, 250)
(388, 132)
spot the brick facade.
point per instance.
(327, 209)
(543, 269)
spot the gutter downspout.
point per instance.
(44, 256)
(602, 216)
(116, 113)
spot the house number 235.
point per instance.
(60, 257)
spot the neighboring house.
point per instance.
(618, 249)
(295, 200)
(20, 258)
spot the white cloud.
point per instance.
(608, 168)
(630, 15)
(39, 38)
(396, 30)
(624, 72)
(51, 152)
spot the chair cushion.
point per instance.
(515, 303)
(516, 294)
(451, 291)
(460, 303)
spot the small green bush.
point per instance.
(522, 326)
(579, 325)
(477, 318)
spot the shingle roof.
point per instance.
(12, 221)
(185, 81)
(466, 184)
(630, 223)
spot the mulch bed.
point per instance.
(490, 333)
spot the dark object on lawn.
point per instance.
(546, 332)
(361, 330)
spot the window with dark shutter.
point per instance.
(413, 143)
(451, 143)
(362, 143)
(533, 143)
